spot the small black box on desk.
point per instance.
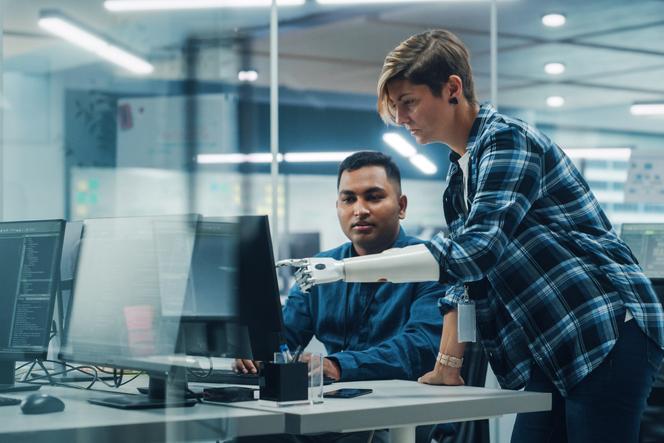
(284, 382)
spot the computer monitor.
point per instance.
(131, 271)
(148, 289)
(260, 306)
(646, 240)
(30, 258)
(232, 307)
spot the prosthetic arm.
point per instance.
(398, 265)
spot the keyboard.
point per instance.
(226, 376)
(8, 401)
(230, 377)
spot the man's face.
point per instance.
(369, 208)
(418, 110)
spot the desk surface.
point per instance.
(399, 403)
(393, 404)
(84, 422)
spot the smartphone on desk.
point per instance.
(347, 393)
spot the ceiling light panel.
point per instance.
(171, 5)
(74, 32)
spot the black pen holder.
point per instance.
(284, 382)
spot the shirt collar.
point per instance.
(485, 114)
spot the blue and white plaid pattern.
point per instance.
(559, 278)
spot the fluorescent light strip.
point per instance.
(73, 33)
(399, 144)
(171, 5)
(423, 164)
(647, 109)
(605, 175)
(291, 157)
(610, 154)
(609, 196)
(315, 157)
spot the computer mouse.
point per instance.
(41, 404)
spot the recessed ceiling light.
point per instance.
(554, 20)
(555, 101)
(554, 68)
(247, 76)
(644, 108)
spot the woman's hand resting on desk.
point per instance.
(442, 375)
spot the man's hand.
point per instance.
(442, 375)
(245, 366)
(314, 271)
(330, 367)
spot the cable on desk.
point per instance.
(201, 373)
(48, 374)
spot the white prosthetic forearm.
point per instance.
(398, 265)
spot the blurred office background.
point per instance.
(185, 120)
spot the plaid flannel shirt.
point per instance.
(556, 277)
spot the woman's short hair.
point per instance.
(428, 58)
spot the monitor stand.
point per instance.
(164, 391)
(8, 379)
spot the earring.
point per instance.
(454, 101)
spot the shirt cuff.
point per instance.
(438, 255)
(347, 365)
(452, 298)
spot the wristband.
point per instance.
(450, 361)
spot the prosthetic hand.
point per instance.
(398, 265)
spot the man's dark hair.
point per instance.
(371, 158)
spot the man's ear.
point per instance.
(403, 204)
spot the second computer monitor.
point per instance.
(646, 240)
(30, 258)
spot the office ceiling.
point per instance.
(613, 50)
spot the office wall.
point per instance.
(33, 165)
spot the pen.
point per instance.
(285, 353)
(296, 356)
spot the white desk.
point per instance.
(401, 406)
(82, 422)
(395, 404)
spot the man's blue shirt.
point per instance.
(373, 330)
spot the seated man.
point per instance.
(370, 330)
